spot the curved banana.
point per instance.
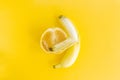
(72, 42)
(69, 58)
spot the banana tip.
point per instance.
(61, 16)
(57, 66)
(54, 67)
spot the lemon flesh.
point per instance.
(51, 37)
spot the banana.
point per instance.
(72, 44)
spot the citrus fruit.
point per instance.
(51, 37)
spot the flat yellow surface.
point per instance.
(23, 21)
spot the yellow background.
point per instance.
(23, 21)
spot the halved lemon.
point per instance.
(51, 37)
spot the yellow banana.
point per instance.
(69, 58)
(72, 44)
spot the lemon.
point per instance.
(51, 37)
